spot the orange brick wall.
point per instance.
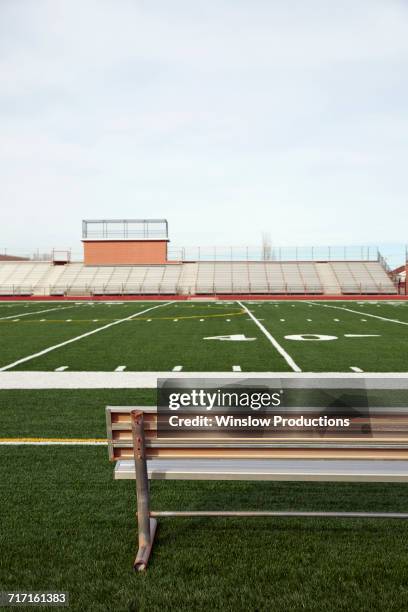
(115, 252)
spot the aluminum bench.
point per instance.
(141, 455)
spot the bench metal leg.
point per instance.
(145, 546)
(146, 525)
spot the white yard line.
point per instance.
(236, 368)
(121, 368)
(177, 368)
(61, 369)
(27, 314)
(356, 369)
(90, 333)
(148, 380)
(272, 340)
(365, 314)
(362, 335)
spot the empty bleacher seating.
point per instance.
(171, 279)
(201, 278)
(21, 278)
(205, 277)
(361, 277)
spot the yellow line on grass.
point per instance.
(206, 316)
(53, 441)
(99, 320)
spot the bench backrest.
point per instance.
(388, 440)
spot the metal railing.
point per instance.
(259, 253)
(124, 229)
(212, 289)
(234, 253)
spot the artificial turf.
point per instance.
(64, 413)
(67, 525)
(179, 334)
(80, 413)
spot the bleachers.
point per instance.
(383, 282)
(223, 277)
(171, 279)
(362, 277)
(240, 278)
(135, 281)
(153, 279)
(21, 278)
(258, 279)
(200, 278)
(205, 277)
(310, 277)
(6, 271)
(275, 277)
(101, 280)
(66, 280)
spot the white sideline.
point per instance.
(90, 333)
(148, 380)
(365, 314)
(272, 340)
(26, 314)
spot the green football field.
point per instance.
(248, 336)
(67, 525)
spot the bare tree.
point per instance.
(266, 246)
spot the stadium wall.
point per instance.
(199, 298)
(124, 252)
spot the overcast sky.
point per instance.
(228, 117)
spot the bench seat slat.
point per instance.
(281, 470)
(265, 453)
(400, 443)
